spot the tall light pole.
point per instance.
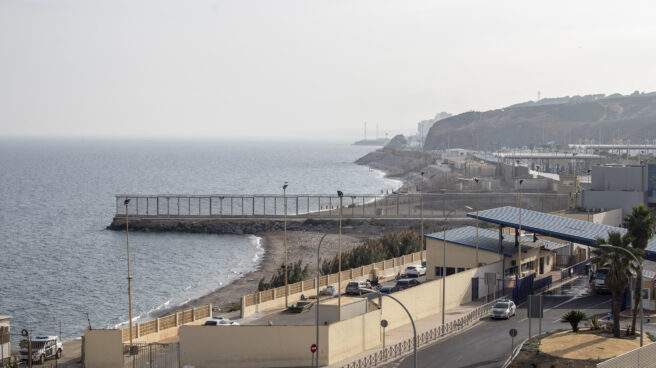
(478, 193)
(519, 234)
(446, 220)
(284, 199)
(639, 263)
(538, 186)
(127, 245)
(421, 211)
(339, 260)
(318, 300)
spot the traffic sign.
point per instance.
(383, 323)
(313, 348)
(512, 332)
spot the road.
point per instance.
(488, 344)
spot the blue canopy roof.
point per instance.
(487, 239)
(559, 227)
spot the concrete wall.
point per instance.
(351, 307)
(611, 217)
(103, 349)
(619, 178)
(613, 199)
(277, 346)
(426, 299)
(456, 256)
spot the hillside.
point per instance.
(564, 120)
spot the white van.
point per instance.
(43, 347)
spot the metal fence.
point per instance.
(576, 269)
(644, 357)
(153, 355)
(397, 350)
(324, 205)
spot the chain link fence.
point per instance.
(644, 357)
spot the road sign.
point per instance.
(512, 332)
(383, 323)
(313, 348)
(535, 306)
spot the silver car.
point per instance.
(503, 309)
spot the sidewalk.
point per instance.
(404, 333)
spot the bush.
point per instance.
(594, 323)
(295, 272)
(573, 318)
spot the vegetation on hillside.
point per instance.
(295, 272)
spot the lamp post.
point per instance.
(318, 276)
(538, 186)
(127, 245)
(519, 234)
(284, 199)
(478, 193)
(339, 260)
(421, 211)
(446, 220)
(412, 321)
(639, 263)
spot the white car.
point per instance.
(415, 271)
(43, 347)
(220, 321)
(503, 309)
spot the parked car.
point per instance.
(329, 291)
(415, 271)
(599, 281)
(388, 289)
(503, 309)
(403, 284)
(220, 321)
(43, 347)
(300, 307)
(355, 287)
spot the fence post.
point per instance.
(138, 329)
(351, 272)
(301, 282)
(193, 314)
(157, 325)
(176, 319)
(274, 293)
(362, 270)
(259, 297)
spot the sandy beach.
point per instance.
(301, 245)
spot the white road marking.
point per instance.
(555, 306)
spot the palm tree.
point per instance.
(640, 226)
(620, 265)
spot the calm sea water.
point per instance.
(58, 262)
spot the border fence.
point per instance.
(412, 205)
(169, 321)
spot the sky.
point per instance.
(303, 69)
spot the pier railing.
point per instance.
(317, 205)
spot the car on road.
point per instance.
(387, 289)
(220, 321)
(415, 271)
(503, 309)
(329, 291)
(356, 287)
(43, 347)
(599, 281)
(403, 284)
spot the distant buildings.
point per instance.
(620, 187)
(424, 126)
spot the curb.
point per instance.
(514, 354)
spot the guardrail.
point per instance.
(401, 348)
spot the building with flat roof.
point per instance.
(620, 186)
(5, 341)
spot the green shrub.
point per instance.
(594, 323)
(573, 318)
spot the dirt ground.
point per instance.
(567, 349)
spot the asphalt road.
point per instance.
(488, 344)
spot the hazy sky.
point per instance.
(304, 68)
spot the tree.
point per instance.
(573, 318)
(640, 226)
(620, 265)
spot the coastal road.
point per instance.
(488, 344)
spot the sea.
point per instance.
(61, 270)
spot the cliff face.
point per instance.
(627, 117)
(395, 163)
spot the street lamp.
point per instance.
(477, 195)
(446, 220)
(538, 186)
(318, 276)
(642, 312)
(284, 198)
(339, 261)
(519, 234)
(127, 245)
(423, 243)
(412, 321)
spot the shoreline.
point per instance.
(301, 246)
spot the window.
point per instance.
(450, 271)
(460, 269)
(438, 271)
